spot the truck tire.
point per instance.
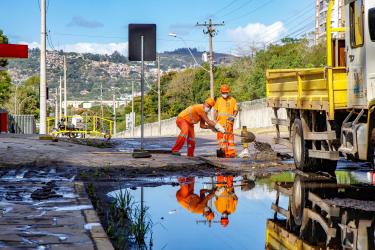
(302, 160)
(372, 149)
(298, 200)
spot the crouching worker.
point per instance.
(186, 120)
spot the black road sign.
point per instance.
(136, 31)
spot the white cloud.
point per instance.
(85, 47)
(32, 45)
(96, 48)
(256, 34)
(259, 193)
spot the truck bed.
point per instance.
(306, 88)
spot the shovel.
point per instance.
(246, 136)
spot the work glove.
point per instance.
(219, 128)
(231, 118)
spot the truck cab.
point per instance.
(330, 110)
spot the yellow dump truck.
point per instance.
(330, 110)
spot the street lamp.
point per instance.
(21, 103)
(15, 97)
(176, 36)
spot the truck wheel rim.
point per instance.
(297, 147)
(297, 196)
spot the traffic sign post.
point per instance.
(142, 47)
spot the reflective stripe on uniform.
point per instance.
(224, 114)
(183, 135)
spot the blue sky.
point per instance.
(101, 25)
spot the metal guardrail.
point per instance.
(75, 126)
(21, 124)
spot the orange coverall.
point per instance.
(227, 201)
(185, 121)
(188, 199)
(226, 108)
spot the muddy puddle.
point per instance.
(39, 209)
(241, 212)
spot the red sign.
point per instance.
(13, 51)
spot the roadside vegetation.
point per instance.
(5, 82)
(126, 222)
(245, 76)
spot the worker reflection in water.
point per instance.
(186, 120)
(226, 200)
(226, 111)
(192, 202)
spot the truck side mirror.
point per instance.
(371, 23)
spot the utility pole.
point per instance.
(101, 104)
(211, 31)
(132, 114)
(159, 105)
(60, 100)
(114, 113)
(65, 93)
(43, 76)
(101, 100)
(56, 107)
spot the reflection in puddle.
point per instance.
(283, 211)
(323, 212)
(215, 212)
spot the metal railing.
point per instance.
(75, 126)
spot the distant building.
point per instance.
(78, 103)
(338, 17)
(84, 92)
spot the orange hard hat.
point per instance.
(210, 102)
(210, 216)
(224, 221)
(224, 88)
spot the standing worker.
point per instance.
(226, 199)
(186, 120)
(226, 111)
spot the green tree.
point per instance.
(3, 39)
(246, 76)
(5, 82)
(27, 96)
(5, 87)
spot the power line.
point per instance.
(302, 14)
(236, 9)
(49, 40)
(251, 12)
(295, 32)
(223, 8)
(268, 31)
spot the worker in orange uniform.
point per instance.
(186, 120)
(226, 200)
(191, 201)
(226, 111)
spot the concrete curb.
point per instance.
(96, 231)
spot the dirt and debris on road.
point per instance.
(18, 151)
(47, 209)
